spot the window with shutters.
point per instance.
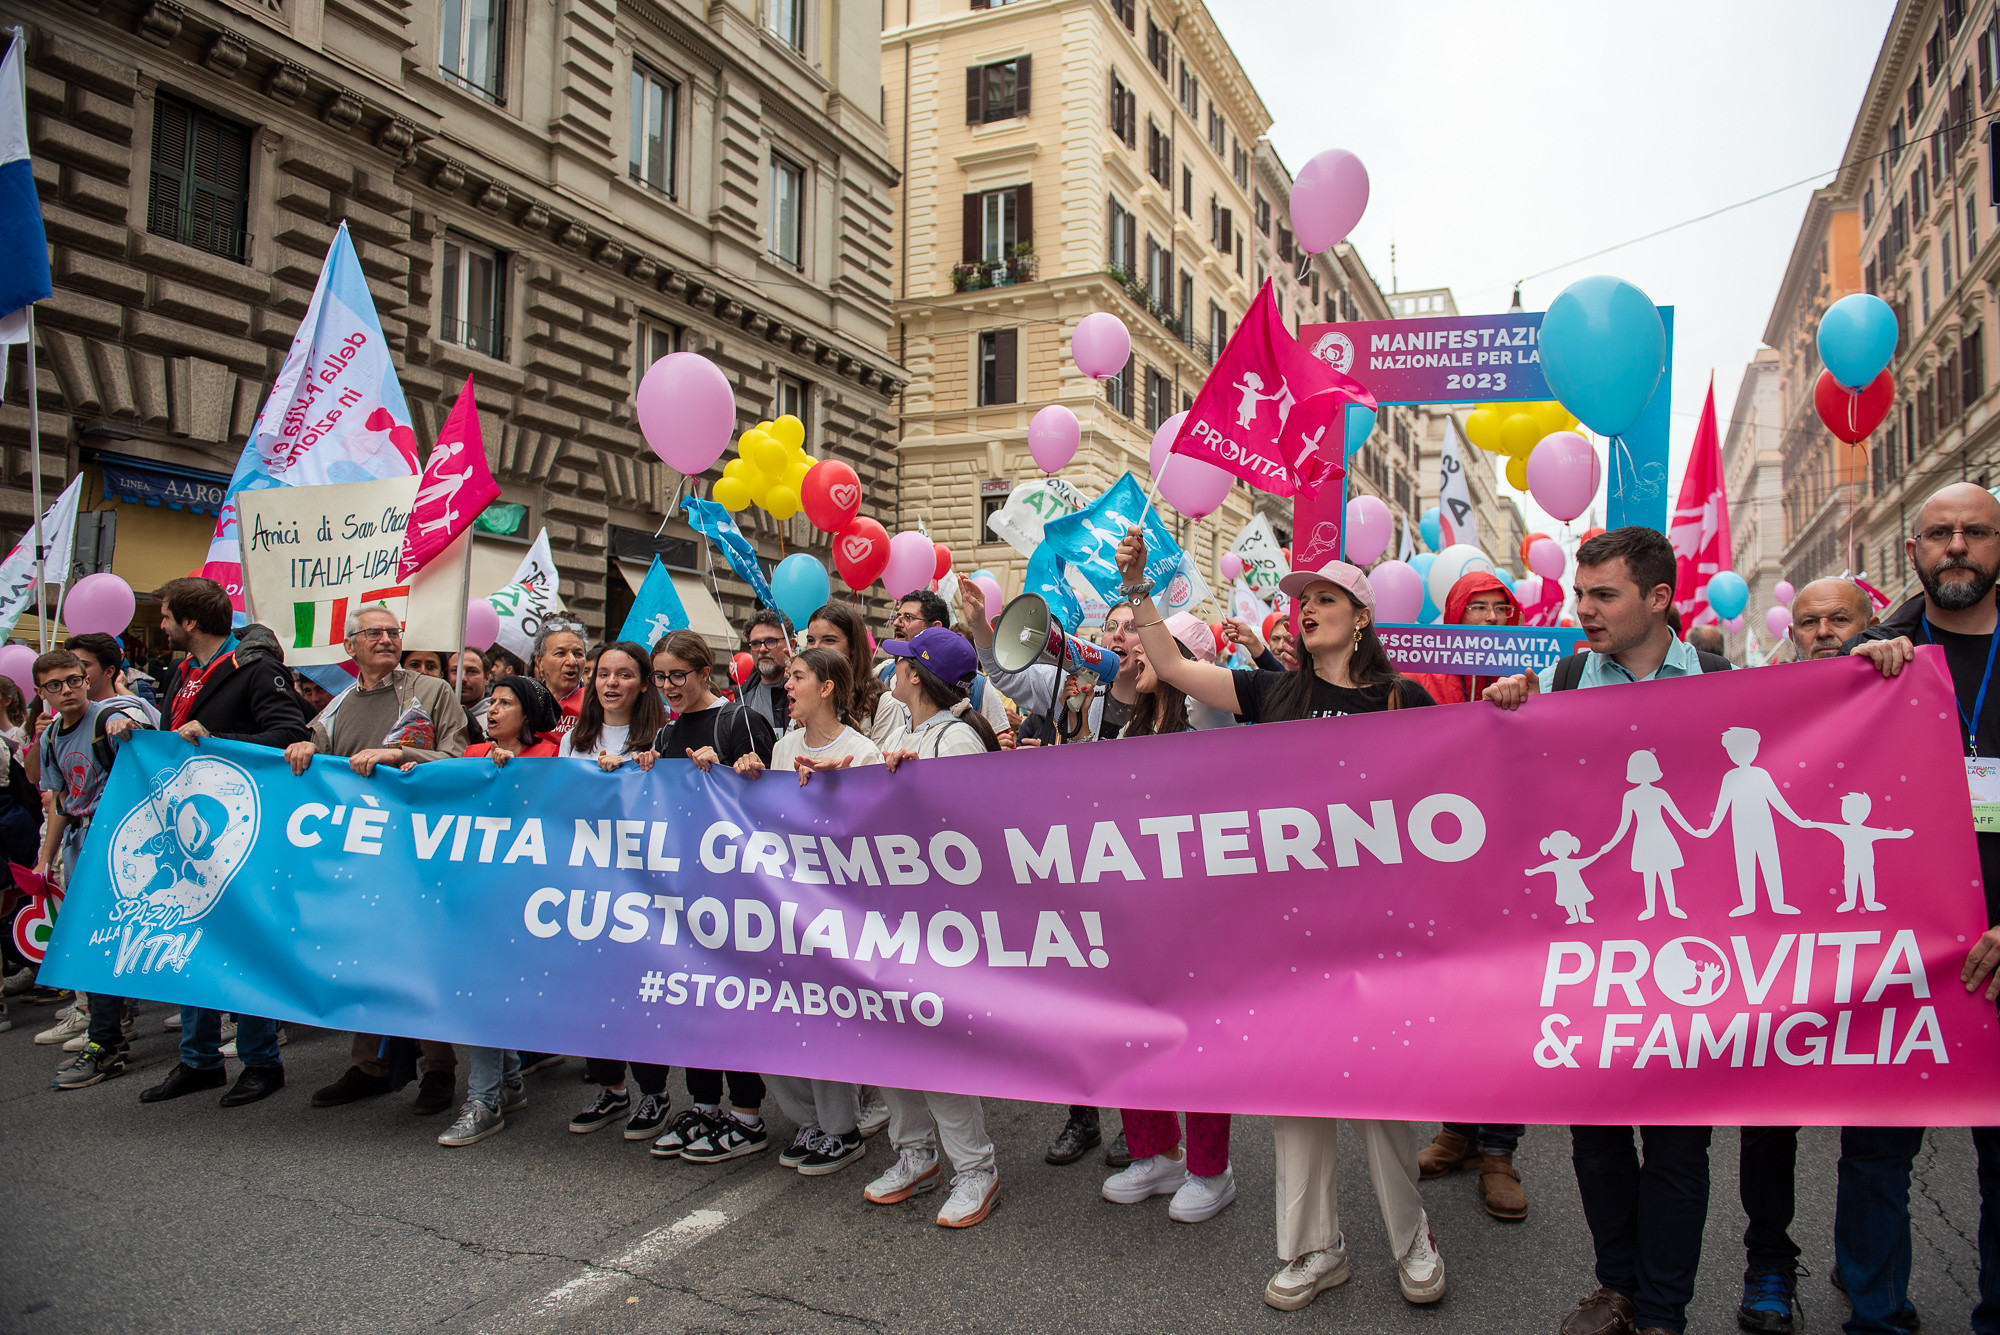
(1913, 104)
(1895, 150)
(656, 109)
(1226, 235)
(1190, 92)
(1118, 390)
(788, 22)
(1868, 206)
(1868, 280)
(1159, 399)
(1989, 54)
(1158, 153)
(788, 211)
(1124, 111)
(200, 191)
(1158, 48)
(1158, 279)
(1944, 263)
(1187, 190)
(1217, 128)
(1954, 18)
(1971, 231)
(793, 399)
(998, 349)
(1934, 53)
(472, 296)
(1315, 287)
(1958, 128)
(472, 46)
(1919, 193)
(997, 92)
(1239, 254)
(997, 223)
(1284, 243)
(1218, 329)
(1186, 307)
(1971, 368)
(1260, 212)
(1127, 11)
(1124, 234)
(1239, 163)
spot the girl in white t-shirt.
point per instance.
(871, 709)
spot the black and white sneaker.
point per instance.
(727, 1138)
(831, 1153)
(683, 1131)
(647, 1118)
(610, 1105)
(801, 1147)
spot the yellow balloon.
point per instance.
(1553, 417)
(1517, 473)
(789, 430)
(766, 455)
(1482, 428)
(782, 501)
(732, 495)
(1519, 435)
(795, 476)
(760, 491)
(735, 468)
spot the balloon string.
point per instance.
(671, 502)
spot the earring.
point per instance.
(1357, 637)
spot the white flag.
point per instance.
(1264, 561)
(17, 572)
(528, 600)
(1408, 548)
(1456, 523)
(1248, 606)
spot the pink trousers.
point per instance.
(1151, 1133)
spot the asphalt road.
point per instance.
(277, 1217)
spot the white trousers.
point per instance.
(831, 1105)
(920, 1121)
(1309, 1186)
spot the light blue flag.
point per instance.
(656, 610)
(1047, 576)
(709, 519)
(1088, 540)
(24, 247)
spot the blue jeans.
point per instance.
(492, 1068)
(1491, 1137)
(201, 1040)
(1645, 1219)
(1871, 1225)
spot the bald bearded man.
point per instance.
(1826, 614)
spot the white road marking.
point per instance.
(600, 1280)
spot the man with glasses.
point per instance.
(1955, 550)
(390, 716)
(76, 756)
(770, 648)
(917, 613)
(560, 654)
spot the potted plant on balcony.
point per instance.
(1021, 263)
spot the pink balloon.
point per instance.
(1783, 593)
(687, 411)
(1563, 473)
(995, 598)
(1192, 486)
(1230, 567)
(912, 562)
(17, 664)
(100, 603)
(1328, 198)
(482, 625)
(1101, 345)
(1778, 620)
(1546, 558)
(1053, 436)
(1528, 589)
(1369, 528)
(1399, 590)
(1733, 625)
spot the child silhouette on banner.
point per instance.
(1857, 841)
(1561, 848)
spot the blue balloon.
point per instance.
(799, 587)
(1360, 424)
(1603, 350)
(1422, 563)
(987, 573)
(1857, 336)
(1728, 595)
(1428, 525)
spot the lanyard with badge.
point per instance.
(1982, 773)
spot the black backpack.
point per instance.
(1570, 670)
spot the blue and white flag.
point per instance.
(709, 519)
(24, 247)
(1048, 575)
(657, 609)
(1088, 541)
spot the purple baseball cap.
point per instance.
(944, 652)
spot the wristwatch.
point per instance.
(1134, 592)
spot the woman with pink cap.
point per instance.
(1342, 669)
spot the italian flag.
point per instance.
(318, 625)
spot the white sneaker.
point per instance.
(1421, 1271)
(170, 1023)
(1202, 1197)
(229, 1029)
(127, 1030)
(1157, 1176)
(70, 1021)
(228, 1049)
(1306, 1278)
(973, 1196)
(915, 1172)
(874, 1116)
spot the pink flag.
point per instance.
(455, 487)
(1700, 527)
(1267, 408)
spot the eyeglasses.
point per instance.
(901, 617)
(58, 685)
(768, 643)
(1940, 535)
(378, 634)
(676, 678)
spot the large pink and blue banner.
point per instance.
(1742, 898)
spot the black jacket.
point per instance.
(248, 697)
(1906, 620)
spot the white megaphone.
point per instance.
(1027, 633)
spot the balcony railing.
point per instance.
(1020, 267)
(1177, 325)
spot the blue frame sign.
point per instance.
(1498, 359)
(1480, 651)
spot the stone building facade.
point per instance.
(543, 196)
(1753, 440)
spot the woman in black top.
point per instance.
(705, 727)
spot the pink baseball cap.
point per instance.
(1194, 636)
(1337, 573)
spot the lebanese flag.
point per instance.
(455, 487)
(1270, 412)
(1699, 530)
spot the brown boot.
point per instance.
(1605, 1312)
(1500, 1187)
(1448, 1153)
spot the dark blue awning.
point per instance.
(142, 482)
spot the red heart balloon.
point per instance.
(861, 550)
(830, 495)
(1851, 415)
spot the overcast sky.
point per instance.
(1504, 139)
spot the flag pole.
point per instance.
(35, 476)
(464, 613)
